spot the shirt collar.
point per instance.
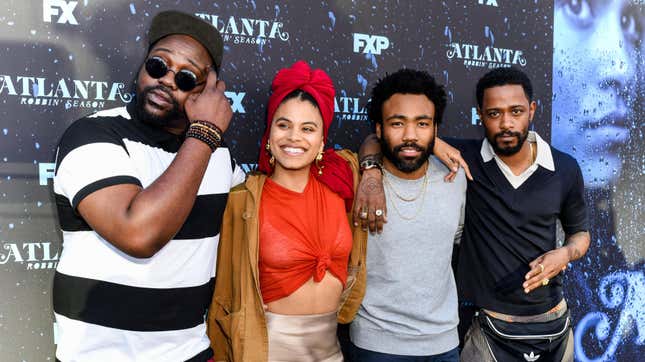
(543, 157)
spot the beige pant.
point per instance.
(476, 347)
(303, 338)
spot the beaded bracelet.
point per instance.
(204, 139)
(205, 132)
(217, 139)
(211, 129)
(209, 125)
(202, 136)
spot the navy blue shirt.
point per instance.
(507, 228)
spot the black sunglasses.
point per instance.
(184, 79)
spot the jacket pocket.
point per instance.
(353, 294)
(232, 327)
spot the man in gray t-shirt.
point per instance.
(409, 311)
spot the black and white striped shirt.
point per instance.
(110, 306)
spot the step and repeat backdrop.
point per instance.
(60, 60)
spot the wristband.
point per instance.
(370, 161)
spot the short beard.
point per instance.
(508, 151)
(402, 164)
(158, 120)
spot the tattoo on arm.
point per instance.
(577, 245)
(370, 185)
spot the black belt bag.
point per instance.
(546, 341)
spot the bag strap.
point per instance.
(487, 319)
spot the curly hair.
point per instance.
(406, 81)
(503, 76)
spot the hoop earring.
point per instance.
(267, 147)
(319, 158)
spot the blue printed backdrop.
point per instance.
(598, 97)
(64, 59)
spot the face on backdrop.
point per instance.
(594, 74)
(159, 100)
(296, 135)
(408, 130)
(506, 114)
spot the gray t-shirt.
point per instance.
(410, 303)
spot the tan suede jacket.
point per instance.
(236, 323)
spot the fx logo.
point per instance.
(488, 2)
(61, 8)
(370, 44)
(236, 101)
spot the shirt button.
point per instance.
(246, 215)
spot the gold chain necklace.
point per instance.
(423, 186)
(389, 187)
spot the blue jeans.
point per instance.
(363, 355)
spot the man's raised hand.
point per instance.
(211, 105)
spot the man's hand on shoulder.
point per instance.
(451, 157)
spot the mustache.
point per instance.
(398, 148)
(508, 134)
(159, 87)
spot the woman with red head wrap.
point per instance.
(289, 264)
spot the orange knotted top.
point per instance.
(302, 235)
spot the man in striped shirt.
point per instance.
(140, 193)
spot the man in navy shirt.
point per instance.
(509, 264)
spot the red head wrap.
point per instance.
(336, 173)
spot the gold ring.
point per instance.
(545, 282)
(541, 268)
(363, 215)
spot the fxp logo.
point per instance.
(63, 10)
(370, 44)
